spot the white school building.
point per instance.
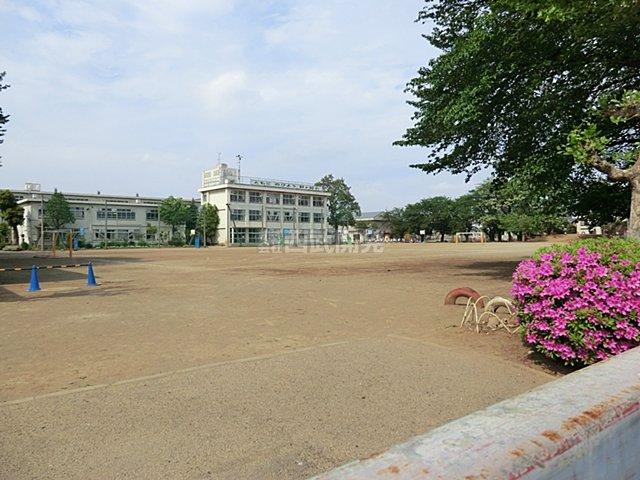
(123, 218)
(255, 211)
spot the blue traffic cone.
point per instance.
(34, 284)
(91, 279)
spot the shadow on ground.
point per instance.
(550, 365)
(44, 275)
(81, 291)
(498, 270)
(39, 259)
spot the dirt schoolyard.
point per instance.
(241, 363)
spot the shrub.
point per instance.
(176, 242)
(24, 246)
(580, 303)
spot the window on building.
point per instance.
(152, 214)
(288, 216)
(303, 236)
(273, 215)
(255, 215)
(318, 202)
(239, 235)
(110, 214)
(255, 235)
(303, 200)
(238, 196)
(288, 199)
(125, 214)
(78, 212)
(255, 197)
(318, 218)
(273, 198)
(304, 217)
(237, 215)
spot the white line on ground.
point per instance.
(167, 374)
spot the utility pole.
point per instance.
(239, 164)
(106, 216)
(42, 222)
(158, 232)
(204, 224)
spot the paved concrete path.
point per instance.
(286, 415)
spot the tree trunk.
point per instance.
(14, 234)
(442, 237)
(633, 227)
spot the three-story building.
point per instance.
(255, 211)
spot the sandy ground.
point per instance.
(236, 363)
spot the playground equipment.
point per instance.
(66, 237)
(490, 318)
(483, 312)
(463, 292)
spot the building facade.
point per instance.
(123, 218)
(256, 211)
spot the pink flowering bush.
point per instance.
(580, 303)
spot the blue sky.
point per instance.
(139, 97)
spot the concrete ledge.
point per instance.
(585, 425)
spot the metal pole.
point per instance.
(228, 224)
(204, 224)
(42, 222)
(158, 232)
(106, 216)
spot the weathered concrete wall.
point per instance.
(585, 425)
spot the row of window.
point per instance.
(111, 214)
(238, 215)
(240, 196)
(272, 236)
(116, 214)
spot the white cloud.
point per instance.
(226, 92)
(301, 88)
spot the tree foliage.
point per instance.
(208, 221)
(3, 118)
(191, 219)
(57, 212)
(515, 78)
(12, 214)
(174, 212)
(493, 207)
(342, 205)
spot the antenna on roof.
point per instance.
(219, 157)
(239, 162)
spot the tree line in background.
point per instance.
(497, 209)
(545, 94)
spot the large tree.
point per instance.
(342, 205)
(57, 212)
(174, 212)
(11, 213)
(191, 218)
(515, 78)
(208, 221)
(3, 118)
